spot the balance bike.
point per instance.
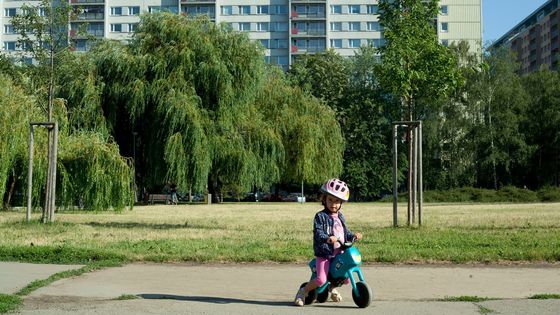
(341, 268)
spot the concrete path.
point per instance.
(269, 289)
(15, 276)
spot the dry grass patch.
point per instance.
(283, 232)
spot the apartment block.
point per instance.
(286, 28)
(535, 40)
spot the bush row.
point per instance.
(506, 194)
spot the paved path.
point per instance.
(15, 276)
(269, 289)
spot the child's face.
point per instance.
(333, 203)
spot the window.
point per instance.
(8, 29)
(132, 27)
(278, 43)
(354, 26)
(336, 26)
(227, 10)
(244, 9)
(354, 43)
(282, 60)
(373, 26)
(244, 27)
(354, 9)
(265, 43)
(443, 10)
(445, 42)
(372, 9)
(262, 9)
(336, 9)
(163, 8)
(10, 12)
(444, 27)
(336, 43)
(133, 10)
(10, 46)
(42, 12)
(262, 26)
(116, 28)
(278, 26)
(278, 9)
(116, 10)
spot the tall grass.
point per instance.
(283, 233)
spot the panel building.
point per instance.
(535, 40)
(286, 28)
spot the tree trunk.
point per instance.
(214, 188)
(11, 190)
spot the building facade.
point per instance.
(535, 40)
(286, 28)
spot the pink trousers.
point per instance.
(322, 265)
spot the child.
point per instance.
(329, 226)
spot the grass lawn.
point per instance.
(282, 232)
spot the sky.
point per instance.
(500, 16)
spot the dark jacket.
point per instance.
(323, 229)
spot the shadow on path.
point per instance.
(210, 299)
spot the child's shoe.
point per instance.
(300, 298)
(335, 296)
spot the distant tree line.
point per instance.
(190, 102)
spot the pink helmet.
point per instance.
(337, 188)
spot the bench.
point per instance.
(159, 198)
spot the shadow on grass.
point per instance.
(210, 299)
(163, 226)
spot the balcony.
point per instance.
(197, 1)
(91, 17)
(82, 2)
(308, 15)
(309, 32)
(307, 49)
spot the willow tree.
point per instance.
(190, 90)
(91, 171)
(308, 128)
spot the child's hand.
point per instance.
(332, 239)
(358, 236)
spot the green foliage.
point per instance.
(549, 194)
(544, 296)
(541, 127)
(308, 130)
(325, 75)
(9, 303)
(469, 194)
(465, 298)
(194, 92)
(414, 65)
(16, 111)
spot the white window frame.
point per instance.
(117, 28)
(115, 9)
(373, 9)
(131, 10)
(244, 9)
(352, 42)
(244, 26)
(444, 27)
(263, 26)
(336, 9)
(227, 10)
(336, 26)
(8, 12)
(354, 26)
(336, 43)
(354, 7)
(263, 9)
